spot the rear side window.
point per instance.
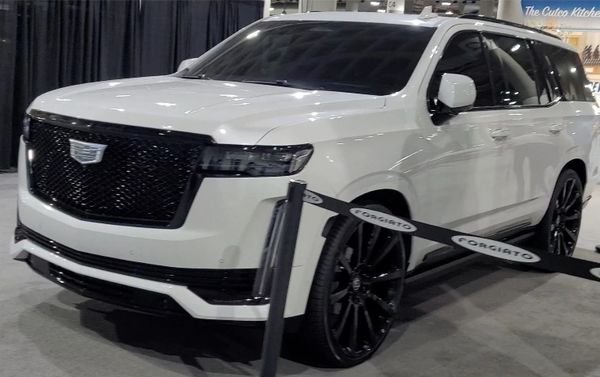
(571, 76)
(463, 55)
(546, 71)
(513, 71)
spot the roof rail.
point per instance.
(503, 22)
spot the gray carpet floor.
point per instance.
(480, 319)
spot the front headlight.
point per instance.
(254, 161)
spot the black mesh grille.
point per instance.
(146, 177)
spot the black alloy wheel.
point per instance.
(356, 291)
(561, 224)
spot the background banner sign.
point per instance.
(561, 8)
(576, 22)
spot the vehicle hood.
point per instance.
(230, 112)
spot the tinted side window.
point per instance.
(463, 55)
(514, 73)
(571, 76)
(546, 70)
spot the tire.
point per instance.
(558, 231)
(352, 303)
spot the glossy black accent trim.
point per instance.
(508, 23)
(118, 294)
(118, 130)
(216, 286)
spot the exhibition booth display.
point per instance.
(576, 22)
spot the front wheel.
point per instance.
(559, 229)
(355, 293)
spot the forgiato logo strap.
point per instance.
(383, 220)
(496, 249)
(581, 268)
(311, 197)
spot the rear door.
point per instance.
(532, 118)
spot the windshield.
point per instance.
(355, 57)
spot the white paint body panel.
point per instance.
(453, 175)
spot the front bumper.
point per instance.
(226, 229)
(129, 290)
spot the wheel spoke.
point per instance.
(563, 192)
(342, 324)
(555, 245)
(571, 235)
(372, 333)
(360, 241)
(572, 202)
(376, 299)
(345, 263)
(575, 216)
(337, 296)
(372, 242)
(354, 333)
(386, 249)
(571, 185)
(564, 244)
(387, 276)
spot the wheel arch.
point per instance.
(392, 189)
(579, 167)
(396, 202)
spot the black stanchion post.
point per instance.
(281, 278)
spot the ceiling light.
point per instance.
(375, 3)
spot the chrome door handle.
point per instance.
(555, 129)
(500, 134)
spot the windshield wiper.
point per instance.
(284, 83)
(201, 76)
(269, 82)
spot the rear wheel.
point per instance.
(355, 292)
(559, 229)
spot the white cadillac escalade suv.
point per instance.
(163, 193)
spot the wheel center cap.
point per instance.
(356, 283)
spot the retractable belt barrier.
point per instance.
(540, 259)
(297, 195)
